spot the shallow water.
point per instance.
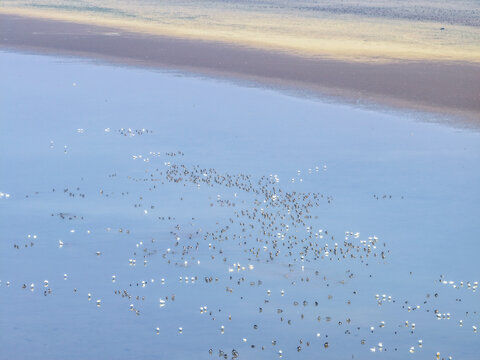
(464, 12)
(412, 184)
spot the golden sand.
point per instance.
(343, 37)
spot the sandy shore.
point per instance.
(451, 88)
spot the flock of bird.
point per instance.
(260, 246)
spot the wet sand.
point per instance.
(451, 88)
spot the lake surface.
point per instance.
(114, 178)
(460, 12)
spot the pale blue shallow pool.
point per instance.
(412, 184)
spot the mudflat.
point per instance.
(447, 87)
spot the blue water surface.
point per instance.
(86, 150)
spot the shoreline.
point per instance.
(449, 89)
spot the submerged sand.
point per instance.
(447, 87)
